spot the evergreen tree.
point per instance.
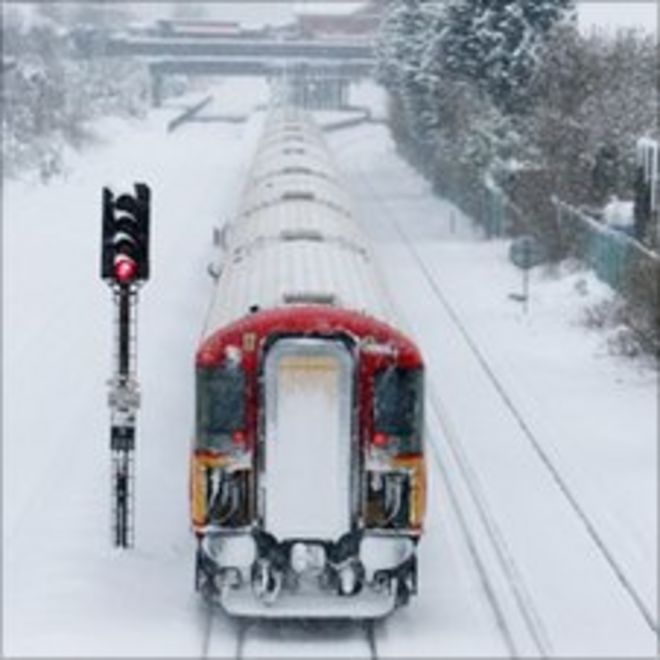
(403, 39)
(497, 45)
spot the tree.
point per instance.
(497, 46)
(49, 94)
(401, 46)
(592, 101)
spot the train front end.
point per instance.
(308, 474)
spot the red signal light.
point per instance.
(380, 439)
(238, 437)
(125, 270)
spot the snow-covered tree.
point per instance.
(594, 96)
(400, 38)
(50, 94)
(403, 40)
(623, 103)
(497, 45)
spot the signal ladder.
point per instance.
(124, 401)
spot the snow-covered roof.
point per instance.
(327, 8)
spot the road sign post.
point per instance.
(525, 253)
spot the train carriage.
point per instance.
(307, 467)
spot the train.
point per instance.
(308, 472)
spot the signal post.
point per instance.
(124, 267)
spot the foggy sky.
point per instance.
(603, 14)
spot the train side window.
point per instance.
(220, 403)
(398, 402)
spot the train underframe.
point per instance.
(360, 575)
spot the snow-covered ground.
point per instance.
(558, 438)
(524, 540)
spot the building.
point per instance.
(362, 23)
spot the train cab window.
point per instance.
(220, 404)
(398, 405)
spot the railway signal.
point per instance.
(124, 266)
(125, 249)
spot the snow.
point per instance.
(619, 214)
(62, 578)
(613, 16)
(261, 270)
(69, 594)
(594, 416)
(308, 416)
(327, 8)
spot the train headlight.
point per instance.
(239, 438)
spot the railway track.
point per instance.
(552, 468)
(224, 637)
(525, 604)
(533, 639)
(519, 615)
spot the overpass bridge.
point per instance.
(247, 48)
(307, 64)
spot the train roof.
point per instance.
(295, 239)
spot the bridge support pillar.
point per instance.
(156, 89)
(343, 93)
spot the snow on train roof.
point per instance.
(283, 186)
(275, 274)
(283, 153)
(286, 219)
(294, 239)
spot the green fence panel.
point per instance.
(495, 212)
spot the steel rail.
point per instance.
(559, 480)
(524, 601)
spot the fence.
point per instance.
(617, 259)
(484, 201)
(611, 253)
(500, 215)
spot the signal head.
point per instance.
(125, 245)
